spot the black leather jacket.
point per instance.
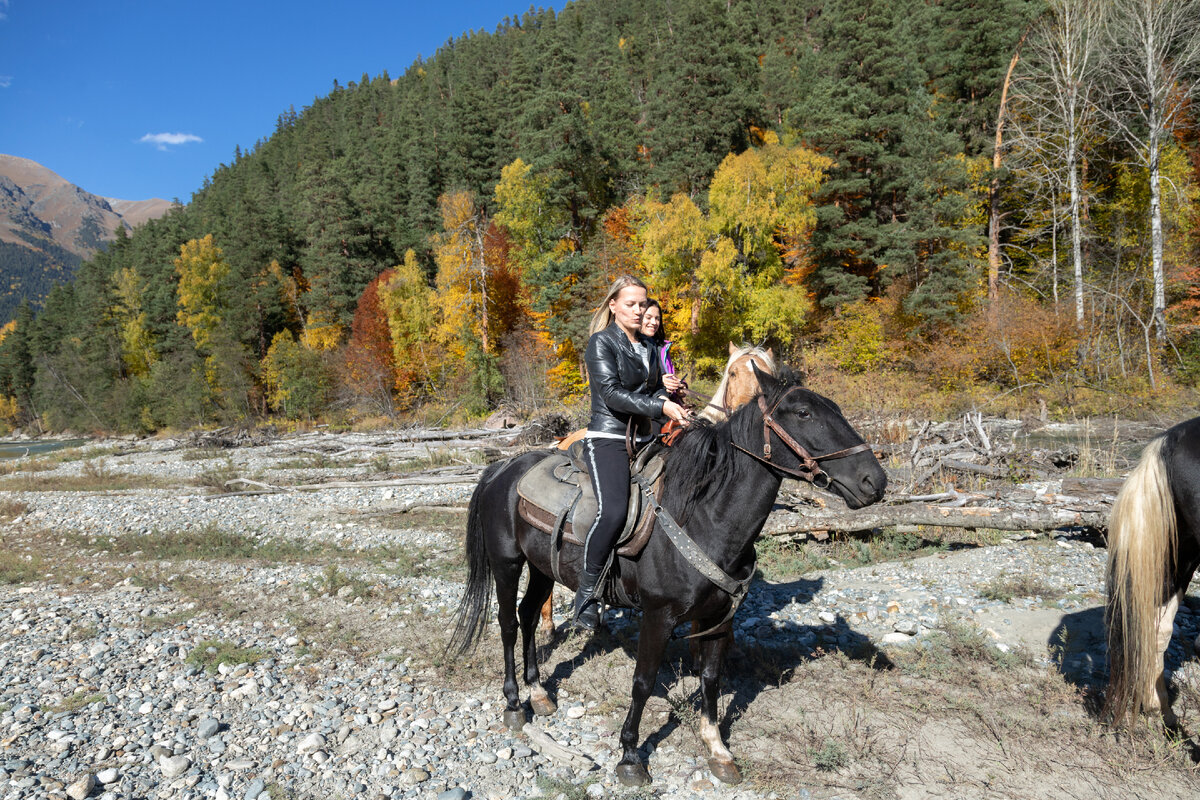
(621, 386)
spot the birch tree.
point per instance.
(1153, 53)
(1055, 102)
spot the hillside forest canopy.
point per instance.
(924, 204)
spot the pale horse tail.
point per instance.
(1141, 556)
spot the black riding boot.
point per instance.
(587, 605)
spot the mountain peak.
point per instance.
(48, 225)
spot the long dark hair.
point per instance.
(660, 336)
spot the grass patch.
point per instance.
(781, 560)
(335, 582)
(831, 757)
(307, 461)
(442, 457)
(213, 652)
(11, 509)
(1005, 587)
(210, 543)
(16, 568)
(203, 454)
(215, 478)
(564, 790)
(454, 520)
(94, 477)
(158, 623)
(78, 700)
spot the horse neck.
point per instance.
(732, 523)
(720, 408)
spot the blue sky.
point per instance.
(136, 99)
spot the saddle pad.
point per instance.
(556, 486)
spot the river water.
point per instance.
(10, 449)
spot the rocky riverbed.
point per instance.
(304, 659)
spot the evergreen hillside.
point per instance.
(779, 171)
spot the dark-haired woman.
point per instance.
(626, 382)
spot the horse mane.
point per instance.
(714, 414)
(702, 460)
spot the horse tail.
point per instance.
(475, 608)
(1141, 547)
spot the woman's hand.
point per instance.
(672, 383)
(676, 412)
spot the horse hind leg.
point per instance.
(507, 578)
(537, 597)
(1166, 624)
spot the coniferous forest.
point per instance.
(954, 202)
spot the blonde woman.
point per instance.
(626, 381)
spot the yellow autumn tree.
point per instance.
(137, 347)
(203, 289)
(737, 271)
(410, 306)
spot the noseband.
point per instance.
(809, 469)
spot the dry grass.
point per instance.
(96, 476)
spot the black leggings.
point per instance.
(608, 464)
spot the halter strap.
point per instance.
(810, 468)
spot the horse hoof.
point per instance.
(542, 706)
(514, 720)
(632, 775)
(725, 771)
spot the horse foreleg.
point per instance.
(1166, 624)
(712, 660)
(652, 643)
(536, 597)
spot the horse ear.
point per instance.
(732, 348)
(771, 353)
(765, 379)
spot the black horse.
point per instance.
(1153, 551)
(720, 482)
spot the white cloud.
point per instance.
(163, 140)
(3, 10)
(5, 81)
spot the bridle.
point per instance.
(810, 468)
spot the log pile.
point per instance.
(970, 474)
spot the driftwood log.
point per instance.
(1069, 502)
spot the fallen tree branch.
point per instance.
(540, 740)
(1005, 519)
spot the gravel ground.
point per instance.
(104, 689)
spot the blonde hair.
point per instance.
(603, 317)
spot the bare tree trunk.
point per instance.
(993, 286)
(1076, 227)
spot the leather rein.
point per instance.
(810, 467)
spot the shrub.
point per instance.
(1019, 343)
(297, 381)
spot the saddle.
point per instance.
(556, 497)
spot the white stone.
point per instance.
(895, 638)
(174, 766)
(82, 787)
(110, 775)
(311, 743)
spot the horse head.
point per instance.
(806, 435)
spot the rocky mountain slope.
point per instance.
(48, 225)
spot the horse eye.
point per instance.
(805, 414)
